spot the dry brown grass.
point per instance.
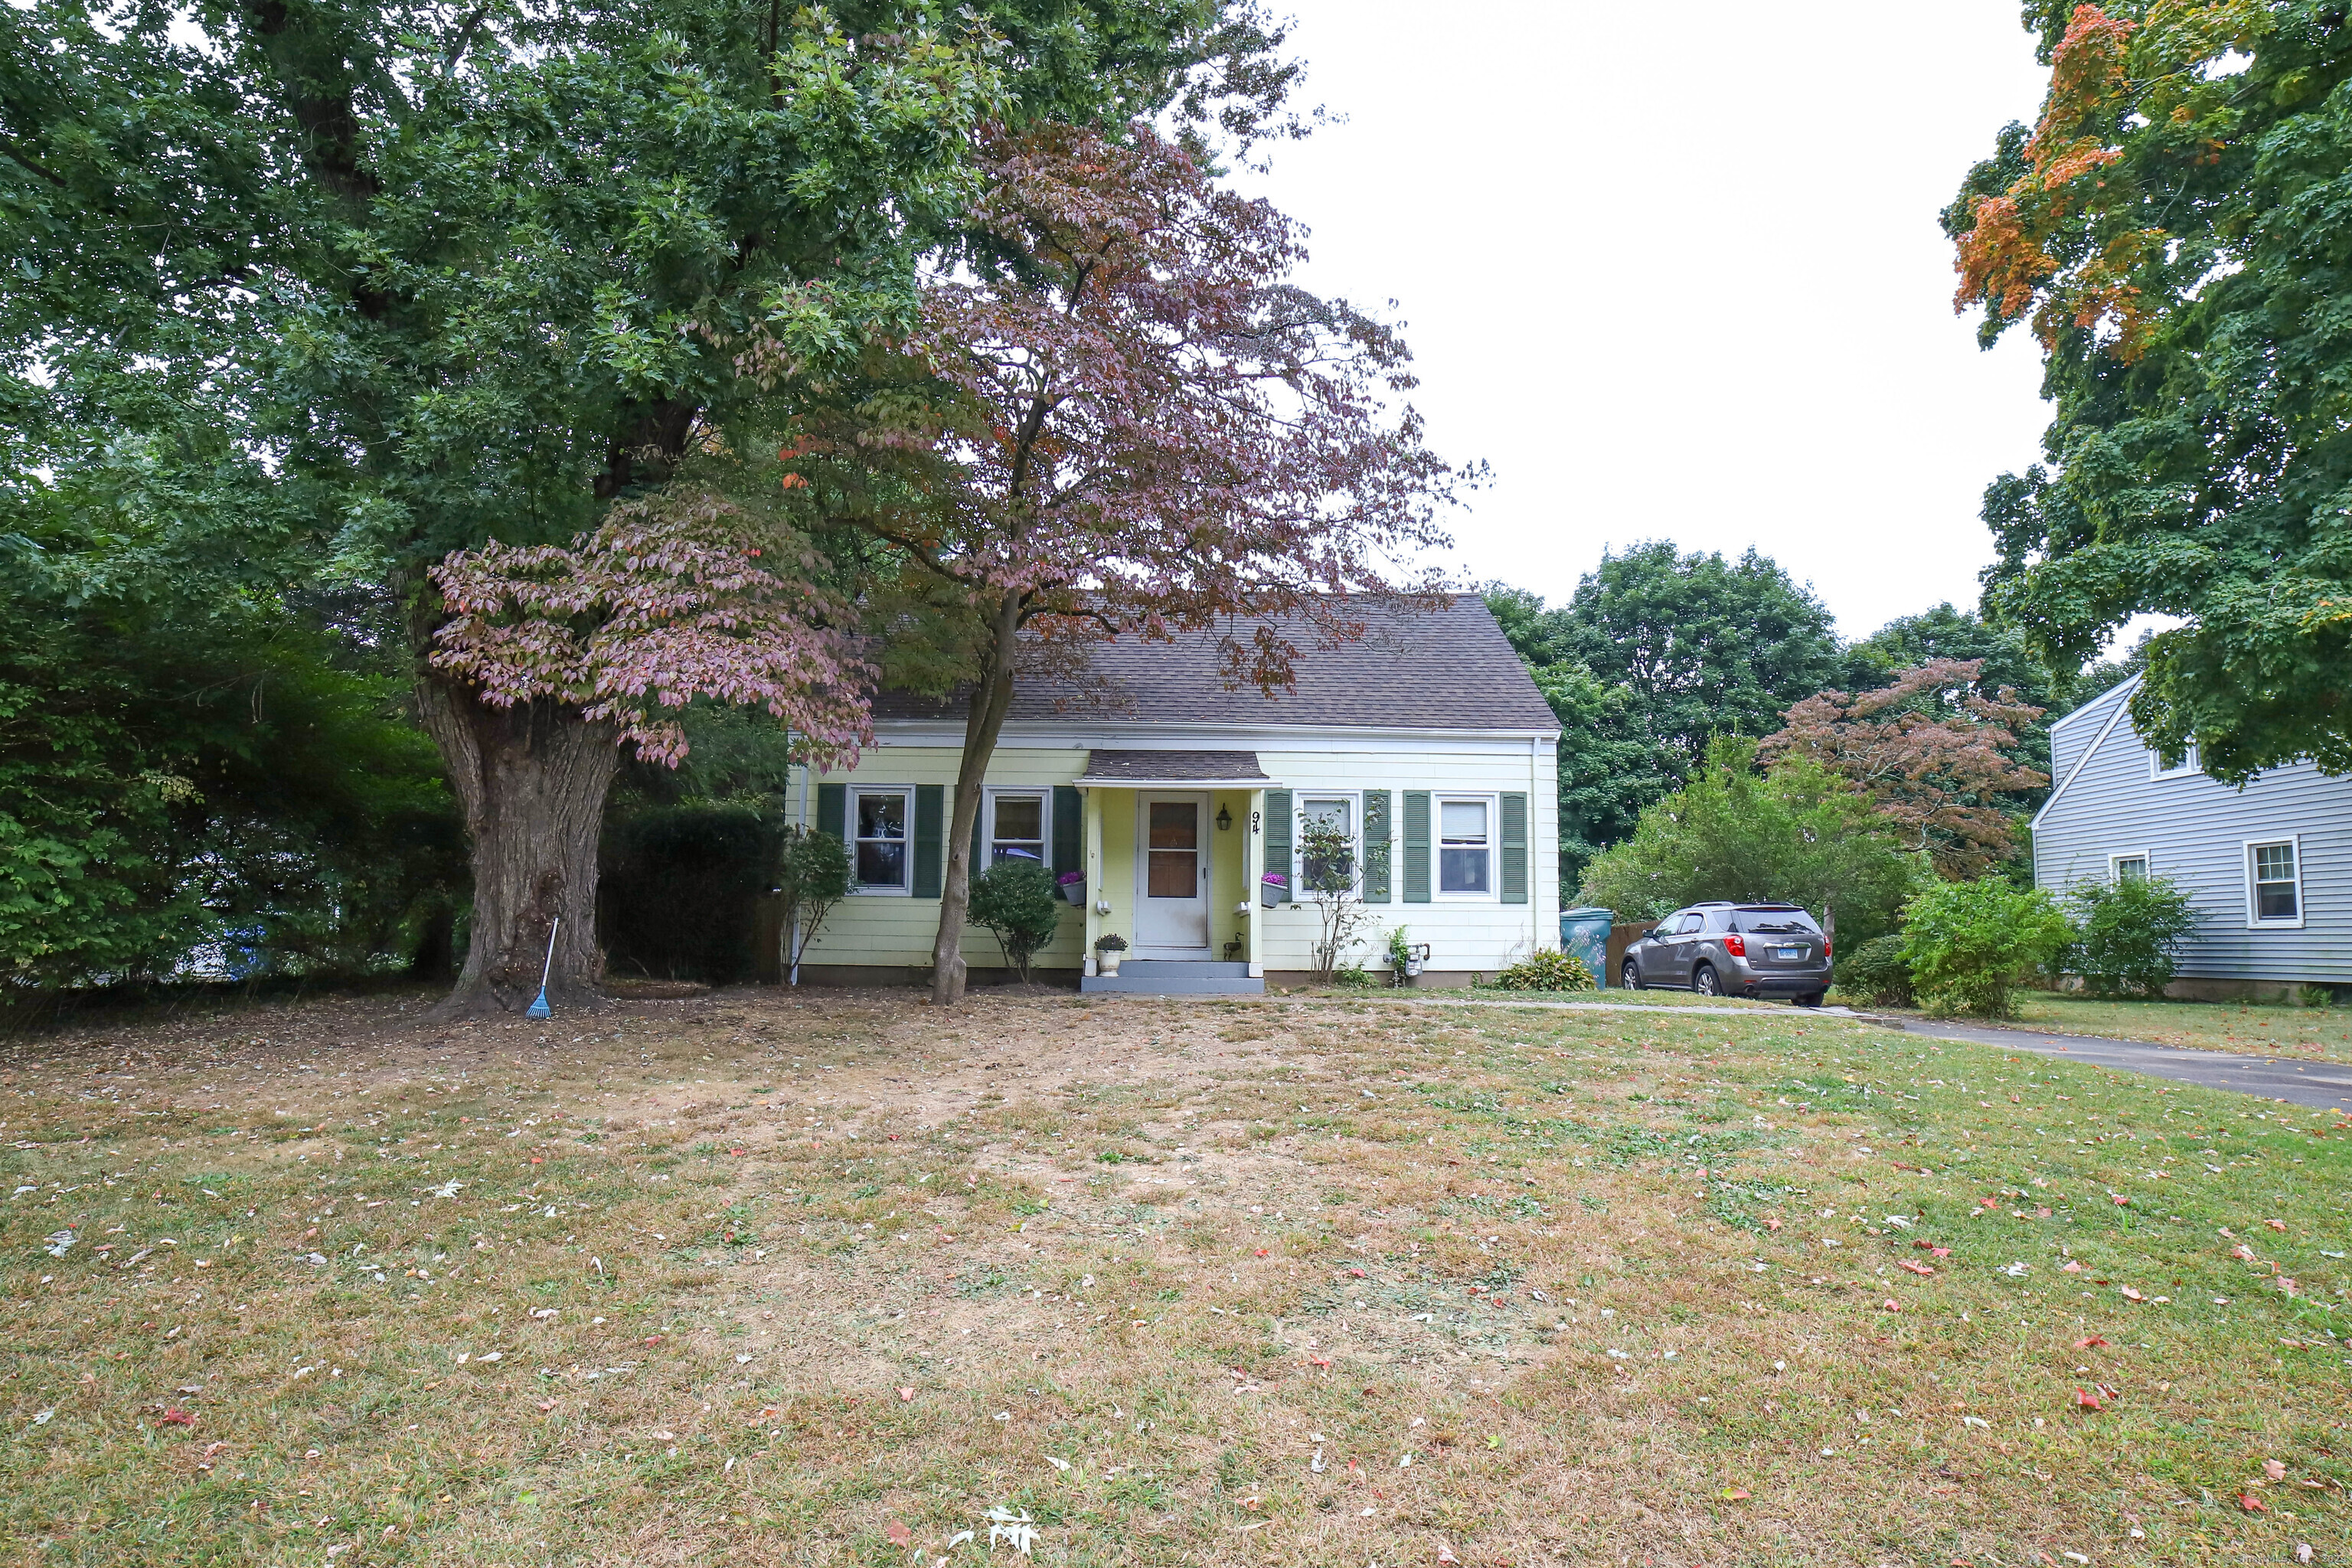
(770, 1279)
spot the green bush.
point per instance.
(1970, 944)
(1354, 976)
(1018, 900)
(1547, 969)
(2127, 934)
(679, 888)
(1797, 833)
(1875, 971)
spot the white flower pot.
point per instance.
(1108, 962)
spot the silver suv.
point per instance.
(1735, 950)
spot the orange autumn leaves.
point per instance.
(2005, 259)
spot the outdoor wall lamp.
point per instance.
(1225, 819)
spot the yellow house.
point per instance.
(1170, 807)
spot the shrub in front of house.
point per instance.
(1970, 945)
(1547, 969)
(1019, 901)
(1876, 972)
(2127, 935)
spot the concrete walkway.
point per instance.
(2328, 1085)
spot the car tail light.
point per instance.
(1825, 947)
(1736, 945)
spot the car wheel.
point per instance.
(1630, 974)
(1705, 981)
(1813, 999)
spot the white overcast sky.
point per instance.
(1673, 271)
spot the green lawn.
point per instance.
(759, 1279)
(2314, 1032)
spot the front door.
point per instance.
(1172, 874)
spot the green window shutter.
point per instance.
(1376, 847)
(1069, 831)
(1416, 847)
(833, 810)
(1514, 848)
(930, 837)
(1277, 840)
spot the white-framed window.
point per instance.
(2188, 764)
(1338, 811)
(2131, 863)
(1467, 829)
(1020, 825)
(882, 838)
(2274, 883)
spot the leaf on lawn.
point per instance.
(1445, 1553)
(897, 1534)
(2070, 1267)
(2274, 1469)
(1056, 1463)
(1734, 1494)
(2087, 1400)
(905, 1395)
(2251, 1503)
(2275, 1224)
(1018, 1531)
(2131, 1295)
(2092, 1344)
(176, 1418)
(1922, 1270)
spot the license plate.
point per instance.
(1789, 952)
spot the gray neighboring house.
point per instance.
(2269, 866)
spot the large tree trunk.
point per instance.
(531, 780)
(983, 721)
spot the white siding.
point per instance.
(2193, 831)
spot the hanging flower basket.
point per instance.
(1273, 889)
(1074, 886)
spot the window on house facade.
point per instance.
(1465, 851)
(1017, 825)
(2188, 764)
(1338, 814)
(2274, 883)
(879, 823)
(2120, 867)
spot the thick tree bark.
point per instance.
(531, 780)
(991, 697)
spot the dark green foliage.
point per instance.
(1875, 972)
(678, 887)
(185, 772)
(812, 875)
(2191, 281)
(2127, 934)
(1795, 835)
(1018, 902)
(1547, 969)
(1654, 656)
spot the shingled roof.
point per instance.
(1450, 668)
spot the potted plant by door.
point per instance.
(1273, 889)
(1107, 948)
(1073, 887)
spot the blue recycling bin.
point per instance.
(1584, 933)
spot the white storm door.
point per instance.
(1171, 876)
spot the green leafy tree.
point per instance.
(1018, 902)
(2127, 934)
(1797, 834)
(812, 875)
(1655, 655)
(450, 303)
(2004, 661)
(1970, 945)
(2174, 230)
(1333, 883)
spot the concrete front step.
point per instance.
(1184, 969)
(1151, 980)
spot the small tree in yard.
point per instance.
(812, 875)
(2127, 934)
(1117, 417)
(1017, 900)
(1328, 871)
(1933, 751)
(1970, 944)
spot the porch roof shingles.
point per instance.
(1451, 669)
(1124, 768)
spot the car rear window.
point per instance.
(1774, 922)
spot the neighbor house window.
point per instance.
(2274, 883)
(1465, 851)
(1338, 814)
(2158, 768)
(879, 823)
(1017, 828)
(2120, 867)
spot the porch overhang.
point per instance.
(1175, 770)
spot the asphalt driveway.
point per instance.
(2328, 1085)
